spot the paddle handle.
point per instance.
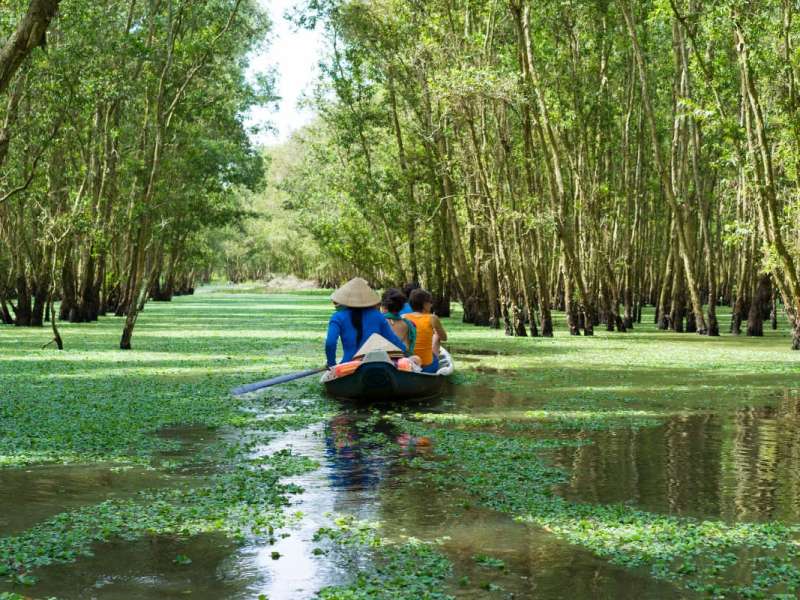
(259, 385)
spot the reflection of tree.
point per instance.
(693, 464)
(753, 459)
(786, 473)
(605, 470)
(788, 467)
(674, 468)
(766, 462)
(742, 467)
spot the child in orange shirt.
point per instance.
(430, 332)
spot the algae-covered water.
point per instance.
(565, 468)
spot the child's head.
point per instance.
(410, 287)
(393, 300)
(421, 300)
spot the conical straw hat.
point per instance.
(377, 342)
(356, 293)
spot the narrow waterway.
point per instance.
(740, 465)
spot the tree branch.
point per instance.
(30, 33)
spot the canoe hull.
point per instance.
(376, 382)
(381, 381)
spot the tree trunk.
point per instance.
(51, 312)
(759, 304)
(569, 307)
(773, 315)
(662, 314)
(22, 310)
(666, 182)
(135, 285)
(30, 32)
(39, 304)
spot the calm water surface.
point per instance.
(743, 464)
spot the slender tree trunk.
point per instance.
(773, 315)
(666, 183)
(135, 285)
(760, 152)
(569, 306)
(662, 313)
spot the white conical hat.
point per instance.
(356, 293)
(377, 342)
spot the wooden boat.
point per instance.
(377, 379)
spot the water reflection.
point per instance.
(351, 462)
(30, 495)
(742, 465)
(146, 569)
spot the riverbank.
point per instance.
(647, 464)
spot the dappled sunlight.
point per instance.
(565, 418)
(134, 372)
(611, 444)
(234, 334)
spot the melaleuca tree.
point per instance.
(595, 156)
(132, 147)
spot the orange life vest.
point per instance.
(405, 364)
(424, 345)
(346, 368)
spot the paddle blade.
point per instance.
(259, 385)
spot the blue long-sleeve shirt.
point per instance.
(341, 327)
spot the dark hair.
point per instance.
(393, 300)
(418, 299)
(410, 287)
(357, 319)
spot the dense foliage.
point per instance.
(595, 156)
(125, 148)
(272, 240)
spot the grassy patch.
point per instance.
(93, 402)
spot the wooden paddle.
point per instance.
(258, 385)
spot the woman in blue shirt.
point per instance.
(356, 318)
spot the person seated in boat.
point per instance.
(430, 332)
(392, 303)
(355, 320)
(407, 289)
